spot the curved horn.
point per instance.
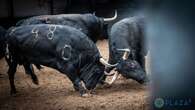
(108, 74)
(126, 54)
(94, 13)
(106, 63)
(114, 78)
(113, 18)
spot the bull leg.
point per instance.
(30, 71)
(11, 73)
(102, 80)
(39, 67)
(73, 76)
(77, 83)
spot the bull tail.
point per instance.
(8, 55)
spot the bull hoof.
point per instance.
(76, 88)
(102, 83)
(92, 92)
(105, 85)
(36, 81)
(13, 93)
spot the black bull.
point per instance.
(127, 48)
(61, 50)
(94, 27)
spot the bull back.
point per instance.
(89, 24)
(31, 44)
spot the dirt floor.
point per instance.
(56, 92)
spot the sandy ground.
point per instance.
(56, 92)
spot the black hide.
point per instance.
(69, 51)
(128, 34)
(92, 26)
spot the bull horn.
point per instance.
(106, 63)
(126, 54)
(110, 73)
(94, 13)
(113, 18)
(114, 78)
